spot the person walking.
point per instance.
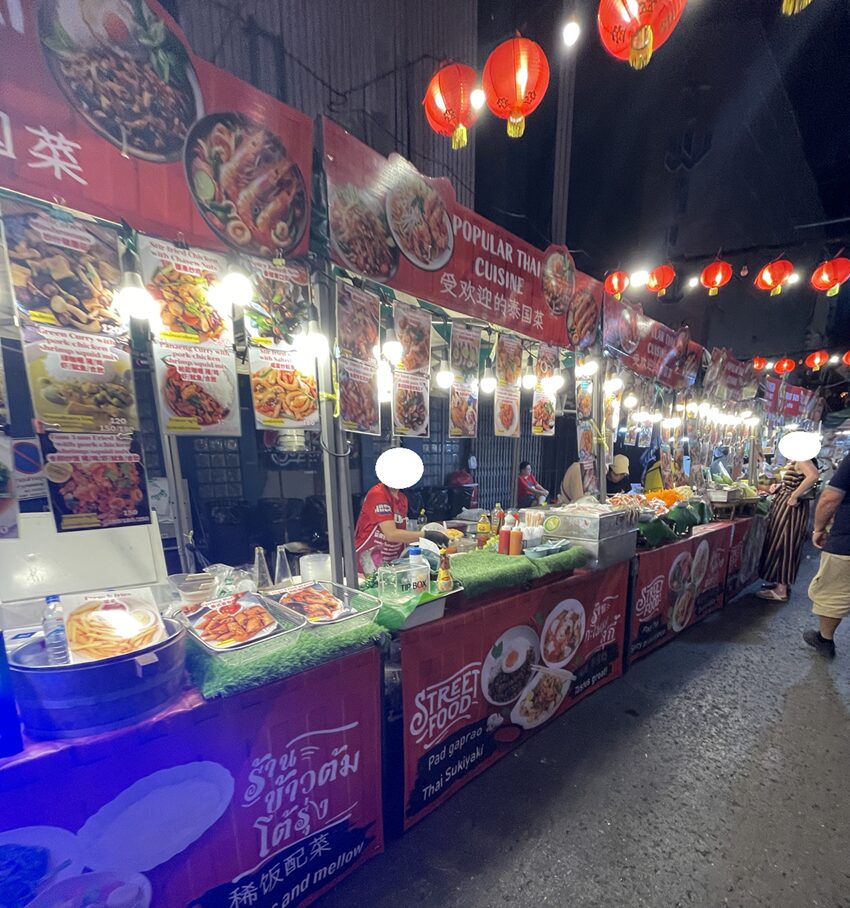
(830, 588)
(786, 530)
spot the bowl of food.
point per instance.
(419, 222)
(508, 665)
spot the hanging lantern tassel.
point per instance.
(792, 7)
(459, 137)
(516, 124)
(640, 48)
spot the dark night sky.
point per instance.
(763, 99)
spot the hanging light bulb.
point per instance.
(488, 379)
(746, 414)
(692, 409)
(680, 407)
(630, 401)
(613, 385)
(553, 383)
(133, 299)
(235, 288)
(529, 378)
(640, 278)
(656, 416)
(587, 368)
(704, 409)
(445, 377)
(752, 421)
(477, 98)
(392, 348)
(315, 342)
(571, 33)
(385, 382)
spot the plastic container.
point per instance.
(358, 609)
(66, 701)
(505, 535)
(315, 567)
(193, 587)
(402, 582)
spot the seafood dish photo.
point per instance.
(581, 318)
(411, 410)
(191, 399)
(110, 491)
(414, 335)
(547, 362)
(360, 234)
(184, 301)
(420, 223)
(359, 402)
(541, 699)
(108, 401)
(680, 572)
(59, 286)
(507, 415)
(584, 401)
(282, 394)
(278, 310)
(463, 411)
(125, 73)
(247, 188)
(559, 278)
(543, 415)
(234, 622)
(317, 604)
(508, 361)
(357, 327)
(585, 444)
(563, 633)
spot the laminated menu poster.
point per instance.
(250, 801)
(8, 496)
(63, 270)
(283, 388)
(506, 415)
(548, 361)
(79, 382)
(542, 412)
(677, 585)
(479, 682)
(357, 319)
(95, 481)
(280, 305)
(464, 358)
(412, 374)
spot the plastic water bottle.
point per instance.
(55, 638)
(414, 554)
(10, 726)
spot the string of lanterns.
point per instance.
(814, 361)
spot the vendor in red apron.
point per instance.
(381, 533)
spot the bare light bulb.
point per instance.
(529, 379)
(640, 278)
(385, 382)
(392, 348)
(477, 98)
(613, 385)
(571, 33)
(553, 383)
(133, 299)
(236, 288)
(488, 380)
(630, 401)
(445, 377)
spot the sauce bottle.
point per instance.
(445, 581)
(516, 539)
(505, 535)
(483, 530)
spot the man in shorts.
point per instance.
(830, 589)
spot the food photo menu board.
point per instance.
(357, 320)
(194, 362)
(412, 374)
(506, 416)
(464, 356)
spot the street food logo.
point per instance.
(602, 629)
(649, 601)
(440, 707)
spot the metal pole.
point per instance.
(599, 421)
(563, 139)
(327, 433)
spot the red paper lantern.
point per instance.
(774, 275)
(660, 279)
(759, 363)
(617, 282)
(516, 76)
(716, 275)
(817, 359)
(447, 106)
(830, 275)
(846, 358)
(632, 29)
(784, 365)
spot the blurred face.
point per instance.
(525, 471)
(616, 477)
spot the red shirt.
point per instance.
(525, 485)
(380, 505)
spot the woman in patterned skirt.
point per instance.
(786, 529)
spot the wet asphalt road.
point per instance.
(715, 773)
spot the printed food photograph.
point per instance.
(584, 401)
(101, 629)
(32, 860)
(58, 286)
(185, 304)
(359, 402)
(508, 415)
(585, 444)
(420, 222)
(209, 405)
(317, 604)
(360, 234)
(683, 610)
(463, 411)
(547, 362)
(234, 623)
(680, 572)
(414, 333)
(465, 353)
(543, 415)
(563, 633)
(357, 325)
(124, 72)
(278, 310)
(284, 394)
(540, 700)
(559, 279)
(113, 493)
(700, 564)
(628, 329)
(509, 664)
(247, 188)
(581, 318)
(508, 360)
(411, 411)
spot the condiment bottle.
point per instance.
(445, 581)
(483, 530)
(505, 535)
(516, 539)
(497, 520)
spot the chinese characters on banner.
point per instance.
(506, 415)
(142, 144)
(358, 314)
(649, 348)
(412, 375)
(8, 491)
(283, 378)
(95, 481)
(391, 224)
(194, 362)
(464, 357)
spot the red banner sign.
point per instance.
(676, 586)
(747, 541)
(391, 224)
(728, 378)
(106, 108)
(266, 798)
(792, 403)
(470, 690)
(650, 348)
